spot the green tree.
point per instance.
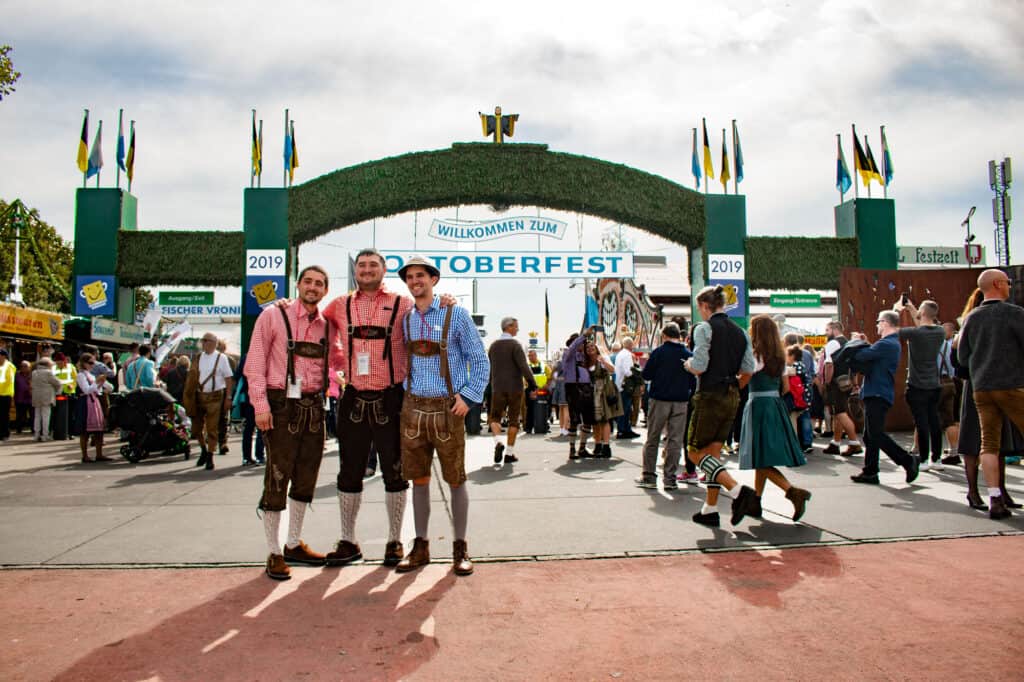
(46, 259)
(143, 297)
(8, 76)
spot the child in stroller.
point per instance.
(154, 423)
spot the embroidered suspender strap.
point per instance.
(211, 375)
(387, 338)
(290, 346)
(351, 330)
(408, 342)
(445, 370)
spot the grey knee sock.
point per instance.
(421, 509)
(460, 510)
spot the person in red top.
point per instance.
(368, 347)
(286, 368)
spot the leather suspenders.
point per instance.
(306, 349)
(368, 332)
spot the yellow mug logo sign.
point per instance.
(730, 294)
(95, 294)
(265, 293)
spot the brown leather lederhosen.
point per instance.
(428, 424)
(295, 446)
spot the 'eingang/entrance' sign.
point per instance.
(471, 232)
(521, 264)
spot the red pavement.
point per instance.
(946, 609)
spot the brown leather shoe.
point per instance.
(419, 556)
(393, 553)
(852, 449)
(302, 554)
(799, 497)
(461, 563)
(344, 552)
(277, 568)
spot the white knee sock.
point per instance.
(349, 503)
(296, 512)
(272, 529)
(396, 512)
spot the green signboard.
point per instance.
(186, 298)
(796, 300)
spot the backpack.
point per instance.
(796, 390)
(634, 381)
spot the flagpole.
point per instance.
(99, 136)
(885, 170)
(291, 173)
(85, 173)
(120, 134)
(252, 166)
(736, 174)
(284, 178)
(725, 159)
(259, 141)
(131, 134)
(869, 179)
(704, 145)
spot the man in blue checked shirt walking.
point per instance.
(448, 371)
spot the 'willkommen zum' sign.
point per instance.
(470, 232)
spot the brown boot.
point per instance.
(393, 553)
(997, 509)
(419, 556)
(461, 563)
(302, 554)
(799, 497)
(344, 552)
(277, 568)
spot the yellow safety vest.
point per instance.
(540, 376)
(68, 378)
(7, 373)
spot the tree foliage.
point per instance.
(8, 76)
(46, 259)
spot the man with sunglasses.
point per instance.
(991, 346)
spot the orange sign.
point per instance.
(31, 322)
(817, 341)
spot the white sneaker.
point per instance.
(924, 466)
(938, 466)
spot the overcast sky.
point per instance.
(370, 80)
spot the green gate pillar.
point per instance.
(725, 238)
(873, 223)
(99, 214)
(265, 221)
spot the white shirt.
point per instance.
(623, 365)
(831, 347)
(206, 363)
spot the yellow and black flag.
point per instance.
(83, 145)
(130, 162)
(864, 164)
(257, 150)
(709, 167)
(725, 176)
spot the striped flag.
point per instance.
(131, 154)
(875, 174)
(861, 164)
(257, 149)
(887, 170)
(737, 152)
(96, 156)
(695, 161)
(547, 319)
(120, 145)
(709, 167)
(843, 179)
(83, 145)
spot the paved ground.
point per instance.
(91, 551)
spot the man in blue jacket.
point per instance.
(879, 362)
(671, 388)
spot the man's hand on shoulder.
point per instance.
(283, 302)
(448, 301)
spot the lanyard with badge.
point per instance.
(363, 356)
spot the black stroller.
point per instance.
(147, 415)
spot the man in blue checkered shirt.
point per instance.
(448, 371)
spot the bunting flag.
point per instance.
(83, 145)
(257, 150)
(695, 161)
(120, 146)
(131, 155)
(294, 156)
(843, 179)
(709, 168)
(872, 166)
(737, 152)
(724, 177)
(547, 319)
(96, 156)
(887, 170)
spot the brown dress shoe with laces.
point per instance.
(277, 568)
(393, 553)
(461, 563)
(302, 554)
(344, 552)
(799, 497)
(419, 556)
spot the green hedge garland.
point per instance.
(179, 257)
(798, 262)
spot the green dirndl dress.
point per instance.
(767, 438)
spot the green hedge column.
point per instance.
(726, 233)
(99, 214)
(265, 221)
(873, 223)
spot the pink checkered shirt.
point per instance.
(266, 363)
(373, 310)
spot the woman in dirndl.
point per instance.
(90, 410)
(767, 439)
(606, 405)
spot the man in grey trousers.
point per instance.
(671, 388)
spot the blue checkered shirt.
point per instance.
(467, 359)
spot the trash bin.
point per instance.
(59, 418)
(473, 420)
(541, 410)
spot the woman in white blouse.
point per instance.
(90, 410)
